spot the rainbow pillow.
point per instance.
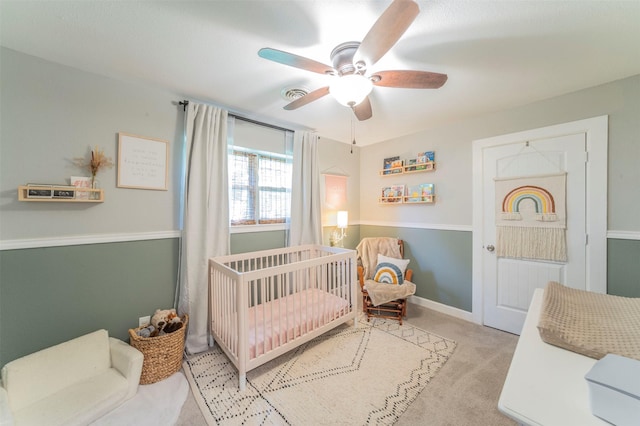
(388, 273)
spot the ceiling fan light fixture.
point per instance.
(350, 90)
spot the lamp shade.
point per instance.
(343, 219)
(350, 90)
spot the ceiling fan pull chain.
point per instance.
(353, 134)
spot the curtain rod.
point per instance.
(248, 120)
(185, 103)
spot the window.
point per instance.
(260, 187)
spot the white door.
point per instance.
(508, 283)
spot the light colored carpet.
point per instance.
(368, 374)
(465, 391)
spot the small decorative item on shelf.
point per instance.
(81, 182)
(94, 164)
(39, 191)
(64, 192)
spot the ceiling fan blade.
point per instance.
(386, 31)
(363, 110)
(409, 79)
(295, 61)
(308, 98)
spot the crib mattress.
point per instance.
(280, 321)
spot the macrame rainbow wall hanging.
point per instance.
(531, 217)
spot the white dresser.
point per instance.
(545, 384)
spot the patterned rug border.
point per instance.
(395, 405)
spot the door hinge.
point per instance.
(586, 239)
(586, 156)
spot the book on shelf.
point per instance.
(426, 156)
(388, 162)
(420, 192)
(393, 193)
(427, 189)
(392, 165)
(411, 164)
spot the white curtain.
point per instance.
(305, 225)
(206, 214)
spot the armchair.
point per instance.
(380, 299)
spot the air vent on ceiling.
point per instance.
(292, 93)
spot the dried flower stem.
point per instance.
(97, 162)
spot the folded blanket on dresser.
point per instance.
(590, 324)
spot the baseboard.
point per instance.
(444, 309)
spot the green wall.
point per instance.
(623, 267)
(440, 260)
(50, 295)
(254, 241)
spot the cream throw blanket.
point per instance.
(369, 248)
(381, 293)
(368, 251)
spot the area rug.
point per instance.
(368, 374)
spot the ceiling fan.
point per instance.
(351, 83)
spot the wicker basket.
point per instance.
(162, 354)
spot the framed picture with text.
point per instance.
(142, 162)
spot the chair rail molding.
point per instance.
(623, 235)
(76, 240)
(438, 227)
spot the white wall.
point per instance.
(52, 114)
(620, 100)
(336, 158)
(259, 137)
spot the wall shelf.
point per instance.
(429, 166)
(390, 201)
(59, 194)
(425, 199)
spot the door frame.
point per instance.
(596, 131)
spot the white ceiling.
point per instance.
(497, 54)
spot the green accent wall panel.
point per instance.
(623, 267)
(441, 262)
(50, 295)
(256, 241)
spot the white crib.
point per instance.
(265, 303)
